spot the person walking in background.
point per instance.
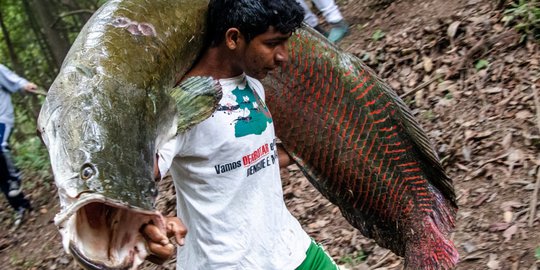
(10, 177)
(332, 15)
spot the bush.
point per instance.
(524, 15)
(31, 157)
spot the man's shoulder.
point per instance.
(255, 84)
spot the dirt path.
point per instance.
(480, 116)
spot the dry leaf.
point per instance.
(466, 151)
(394, 84)
(469, 134)
(507, 141)
(499, 226)
(480, 200)
(493, 263)
(484, 134)
(508, 215)
(492, 90)
(524, 114)
(469, 247)
(509, 205)
(428, 64)
(473, 2)
(462, 167)
(419, 98)
(515, 155)
(452, 29)
(508, 233)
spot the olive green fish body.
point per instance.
(111, 105)
(113, 85)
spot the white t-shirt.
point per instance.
(228, 185)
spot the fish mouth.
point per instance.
(103, 234)
(91, 265)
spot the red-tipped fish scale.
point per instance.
(361, 147)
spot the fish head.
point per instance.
(101, 136)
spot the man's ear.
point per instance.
(232, 37)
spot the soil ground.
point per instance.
(472, 86)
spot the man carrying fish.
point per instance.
(114, 105)
(226, 169)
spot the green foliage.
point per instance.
(429, 115)
(31, 156)
(524, 15)
(33, 60)
(378, 35)
(29, 153)
(22, 262)
(353, 259)
(537, 253)
(481, 64)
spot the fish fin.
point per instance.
(196, 99)
(430, 249)
(414, 131)
(435, 170)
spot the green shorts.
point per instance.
(317, 259)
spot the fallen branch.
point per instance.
(537, 105)
(421, 86)
(482, 45)
(382, 261)
(534, 199)
(492, 160)
(71, 13)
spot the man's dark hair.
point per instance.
(251, 17)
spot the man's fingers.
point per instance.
(153, 233)
(30, 87)
(176, 228)
(162, 251)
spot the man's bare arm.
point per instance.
(283, 158)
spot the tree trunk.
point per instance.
(12, 55)
(46, 52)
(57, 39)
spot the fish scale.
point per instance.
(360, 146)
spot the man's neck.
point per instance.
(217, 62)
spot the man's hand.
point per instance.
(283, 158)
(30, 88)
(159, 245)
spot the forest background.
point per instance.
(469, 70)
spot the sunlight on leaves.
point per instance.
(353, 259)
(525, 18)
(378, 35)
(481, 64)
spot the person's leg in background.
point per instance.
(10, 182)
(311, 19)
(332, 15)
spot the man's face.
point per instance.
(265, 53)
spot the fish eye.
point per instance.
(87, 171)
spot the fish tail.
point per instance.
(431, 249)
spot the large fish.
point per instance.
(110, 106)
(113, 103)
(360, 146)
